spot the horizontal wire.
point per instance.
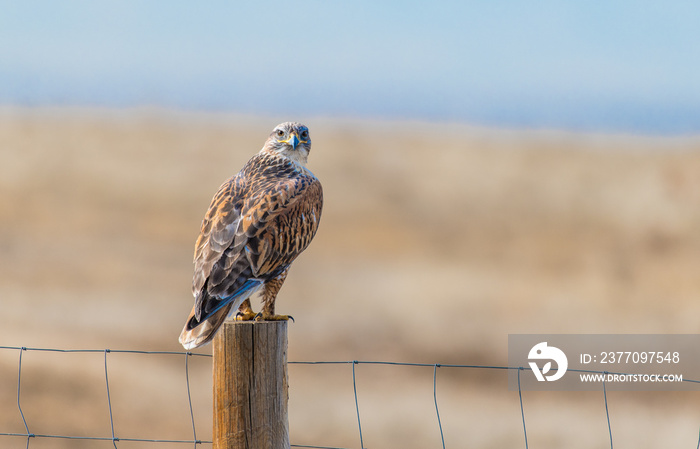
(316, 447)
(71, 437)
(370, 362)
(139, 440)
(314, 362)
(117, 351)
(441, 365)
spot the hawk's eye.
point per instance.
(280, 133)
(304, 134)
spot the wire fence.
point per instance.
(114, 439)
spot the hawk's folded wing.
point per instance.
(252, 230)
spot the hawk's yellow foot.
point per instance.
(245, 312)
(245, 316)
(262, 316)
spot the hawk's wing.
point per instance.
(257, 224)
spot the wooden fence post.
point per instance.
(250, 386)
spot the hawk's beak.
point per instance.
(293, 141)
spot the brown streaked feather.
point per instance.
(261, 219)
(258, 222)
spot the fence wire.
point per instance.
(195, 441)
(113, 438)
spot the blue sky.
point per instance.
(630, 66)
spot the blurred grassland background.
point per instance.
(436, 242)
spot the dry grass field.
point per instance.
(436, 242)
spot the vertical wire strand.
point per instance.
(607, 414)
(189, 397)
(357, 407)
(109, 403)
(522, 410)
(19, 383)
(442, 437)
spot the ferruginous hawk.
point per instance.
(258, 222)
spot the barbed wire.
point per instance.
(195, 441)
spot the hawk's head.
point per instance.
(290, 139)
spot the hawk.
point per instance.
(258, 222)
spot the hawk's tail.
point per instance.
(198, 332)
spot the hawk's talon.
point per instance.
(244, 316)
(265, 317)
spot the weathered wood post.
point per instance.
(250, 386)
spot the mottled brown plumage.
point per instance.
(258, 222)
